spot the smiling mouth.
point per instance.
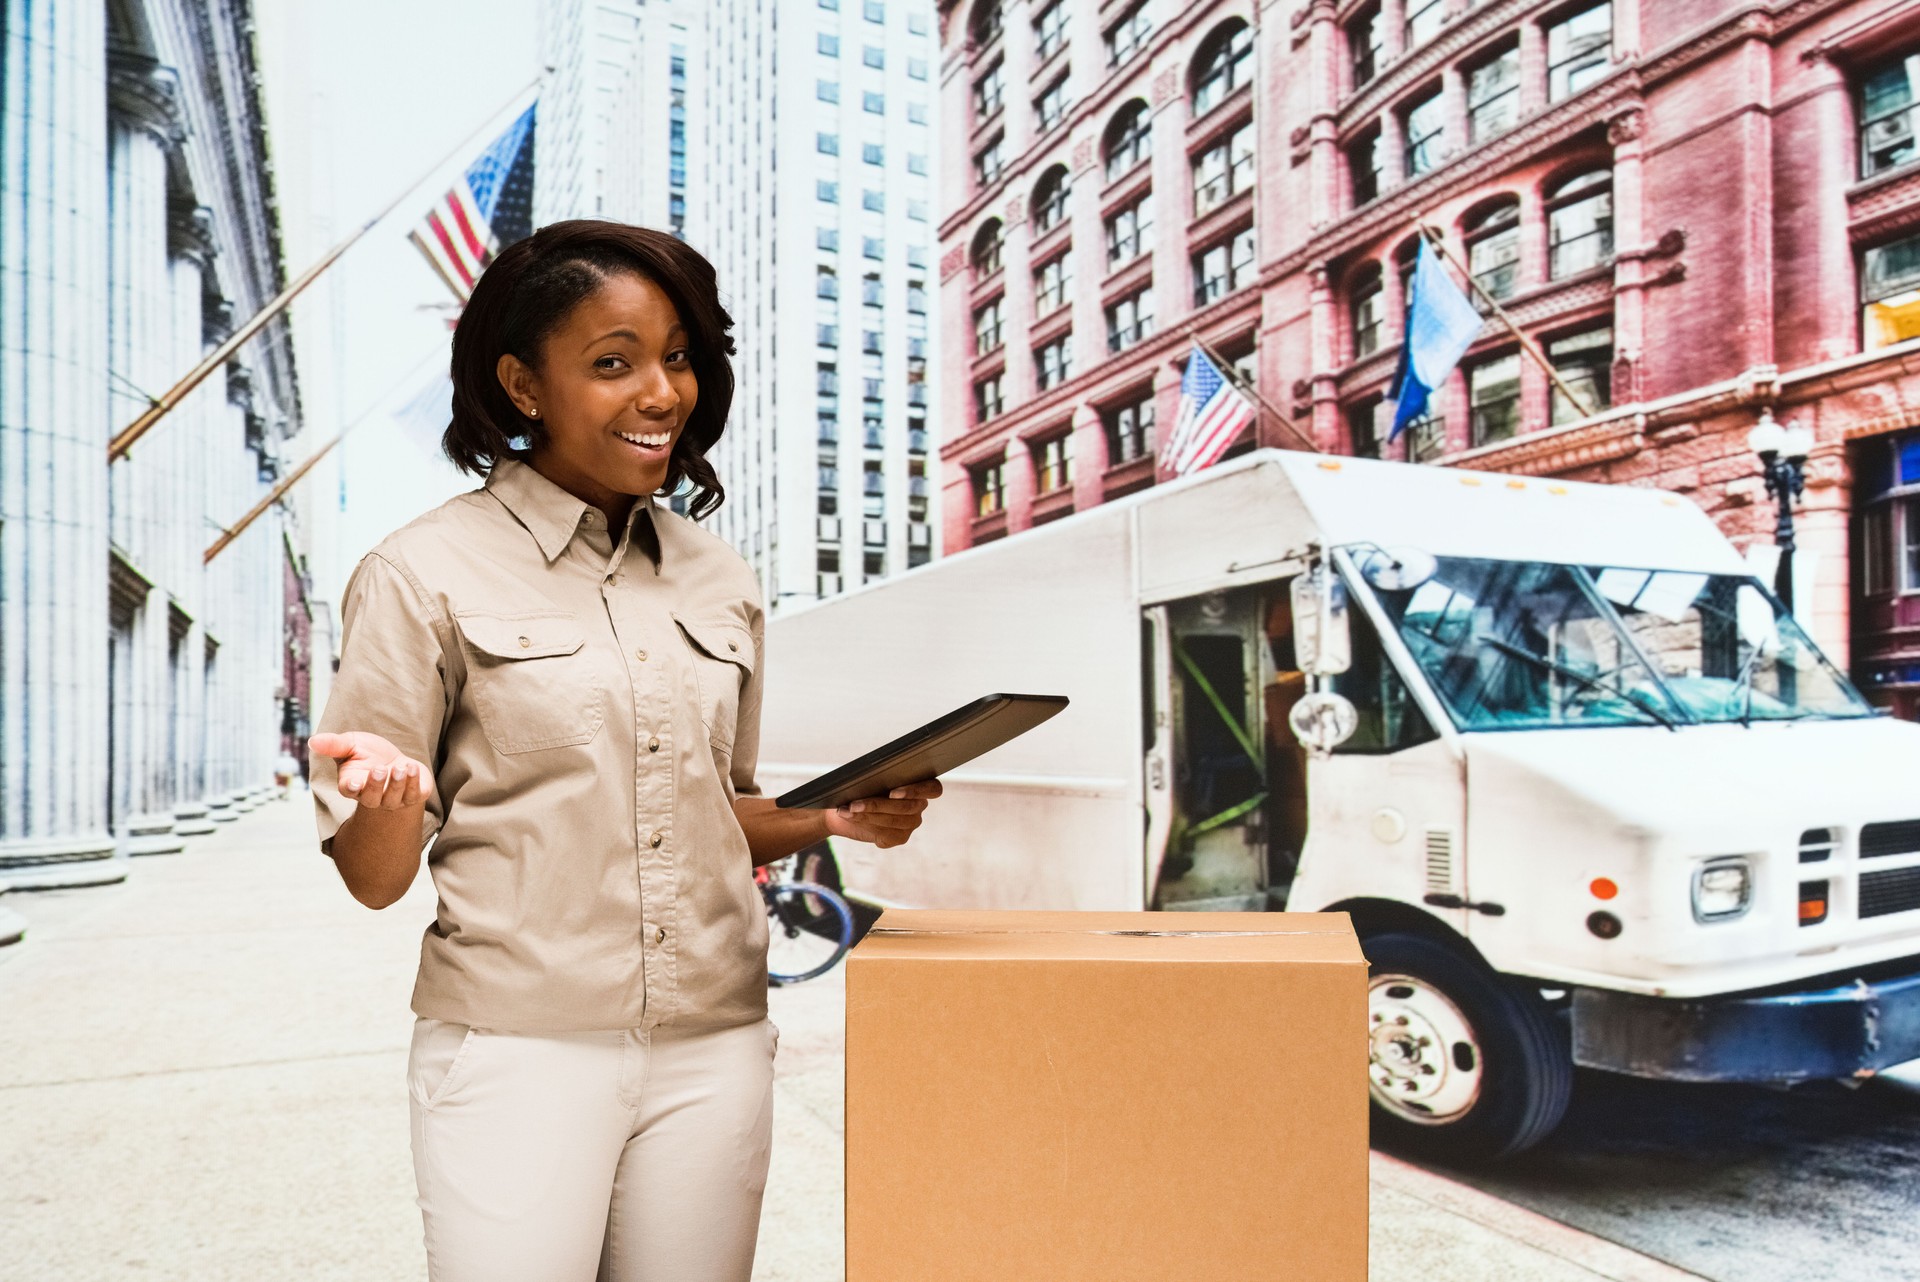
(650, 443)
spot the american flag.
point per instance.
(1211, 416)
(490, 207)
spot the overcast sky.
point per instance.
(362, 98)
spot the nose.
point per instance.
(655, 396)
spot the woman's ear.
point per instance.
(517, 379)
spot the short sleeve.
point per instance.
(746, 733)
(392, 682)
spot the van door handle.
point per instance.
(1488, 907)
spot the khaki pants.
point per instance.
(637, 1155)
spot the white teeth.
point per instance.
(661, 439)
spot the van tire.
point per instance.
(1520, 1053)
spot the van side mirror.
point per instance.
(1322, 641)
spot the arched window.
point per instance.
(1406, 256)
(1050, 200)
(1225, 63)
(986, 248)
(1129, 138)
(1366, 304)
(1580, 223)
(1493, 246)
(986, 23)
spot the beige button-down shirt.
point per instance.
(589, 703)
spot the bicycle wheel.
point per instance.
(809, 928)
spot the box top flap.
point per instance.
(1117, 936)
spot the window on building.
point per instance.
(1580, 223)
(1050, 108)
(874, 103)
(1585, 363)
(1890, 293)
(874, 10)
(1365, 166)
(1424, 20)
(1426, 437)
(1493, 96)
(1223, 170)
(828, 502)
(870, 341)
(916, 68)
(826, 335)
(1426, 134)
(916, 298)
(871, 291)
(1129, 35)
(989, 91)
(985, 252)
(1129, 320)
(1220, 269)
(873, 201)
(1493, 394)
(873, 247)
(873, 153)
(826, 379)
(827, 144)
(829, 428)
(827, 191)
(1129, 429)
(1366, 304)
(1364, 437)
(826, 283)
(1053, 464)
(874, 57)
(1889, 114)
(916, 113)
(829, 45)
(1050, 281)
(1493, 248)
(831, 5)
(1364, 45)
(1050, 30)
(916, 163)
(827, 90)
(987, 22)
(917, 210)
(916, 255)
(989, 489)
(1224, 64)
(990, 162)
(1053, 363)
(876, 564)
(1129, 138)
(1127, 231)
(827, 237)
(1050, 200)
(1579, 51)
(987, 399)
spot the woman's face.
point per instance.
(614, 390)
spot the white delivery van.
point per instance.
(1600, 800)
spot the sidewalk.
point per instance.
(201, 1076)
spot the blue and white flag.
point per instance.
(1441, 325)
(1211, 416)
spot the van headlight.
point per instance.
(1722, 889)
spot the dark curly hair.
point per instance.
(528, 292)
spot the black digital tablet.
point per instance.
(935, 748)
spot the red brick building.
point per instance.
(1696, 211)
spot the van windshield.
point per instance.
(1512, 645)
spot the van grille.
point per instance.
(1816, 845)
(1897, 890)
(1439, 861)
(1901, 838)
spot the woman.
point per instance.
(562, 678)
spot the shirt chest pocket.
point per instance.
(722, 660)
(530, 686)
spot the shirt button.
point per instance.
(653, 744)
(660, 935)
(654, 840)
(614, 579)
(732, 646)
(524, 643)
(640, 655)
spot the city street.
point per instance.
(202, 1079)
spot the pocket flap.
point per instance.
(721, 638)
(521, 636)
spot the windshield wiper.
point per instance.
(1580, 678)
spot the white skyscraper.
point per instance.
(587, 48)
(816, 206)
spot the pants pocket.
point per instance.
(438, 1055)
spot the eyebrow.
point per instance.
(628, 334)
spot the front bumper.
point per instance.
(1853, 1030)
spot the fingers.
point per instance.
(874, 806)
(331, 745)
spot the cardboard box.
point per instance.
(1046, 1097)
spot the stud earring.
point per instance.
(534, 412)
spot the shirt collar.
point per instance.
(552, 515)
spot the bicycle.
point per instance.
(809, 927)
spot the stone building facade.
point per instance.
(137, 683)
(1695, 213)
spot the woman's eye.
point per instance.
(608, 362)
(678, 357)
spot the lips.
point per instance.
(645, 448)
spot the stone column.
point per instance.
(192, 246)
(144, 127)
(53, 448)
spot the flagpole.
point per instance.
(1227, 372)
(123, 442)
(1527, 345)
(287, 482)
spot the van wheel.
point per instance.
(1460, 1062)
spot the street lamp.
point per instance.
(1783, 462)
